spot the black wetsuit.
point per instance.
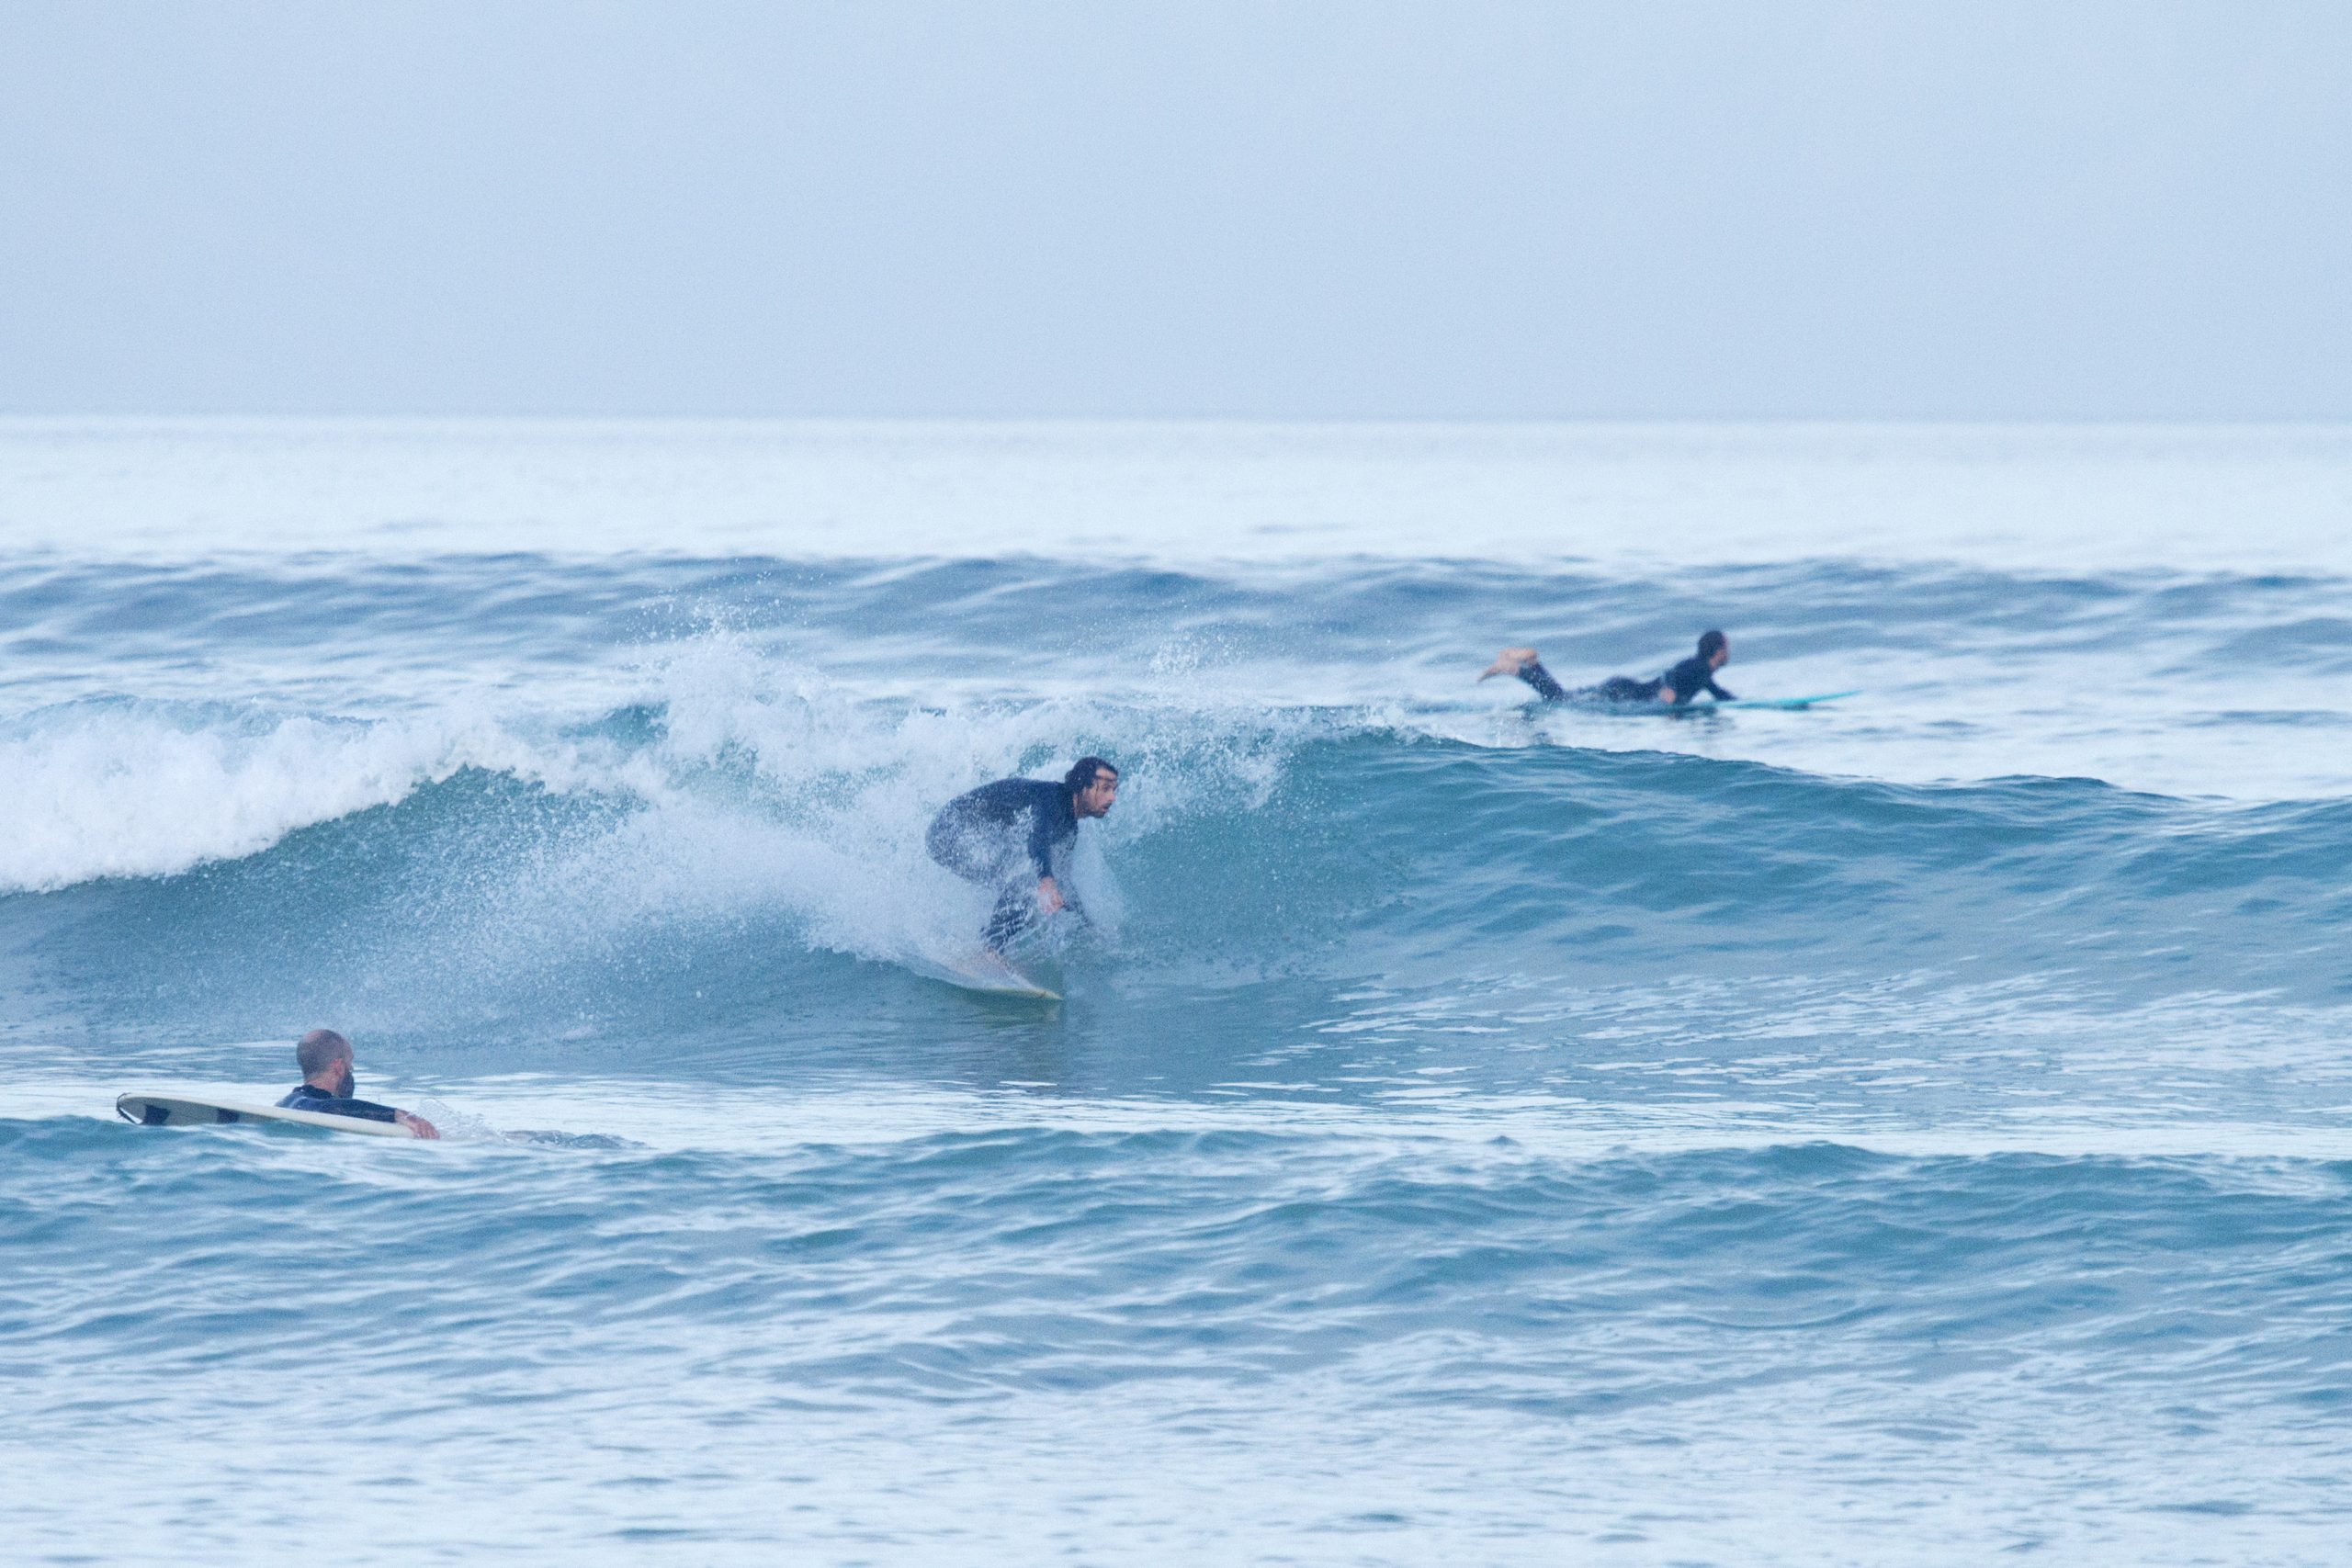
(1006, 835)
(1689, 678)
(311, 1097)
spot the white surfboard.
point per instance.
(198, 1111)
(982, 971)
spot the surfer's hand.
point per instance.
(1049, 897)
(1510, 662)
(416, 1125)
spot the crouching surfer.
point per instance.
(1677, 686)
(325, 1057)
(1010, 835)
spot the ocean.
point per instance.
(1911, 1130)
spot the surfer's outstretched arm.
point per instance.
(366, 1108)
(1522, 662)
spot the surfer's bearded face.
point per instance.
(344, 1082)
(1095, 799)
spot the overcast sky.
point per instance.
(1772, 208)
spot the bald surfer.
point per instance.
(327, 1085)
(1013, 836)
(1676, 687)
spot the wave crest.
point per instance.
(121, 789)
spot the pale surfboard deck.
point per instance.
(983, 972)
(200, 1110)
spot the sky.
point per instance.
(1224, 209)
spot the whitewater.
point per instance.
(1901, 1131)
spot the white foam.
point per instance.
(142, 790)
(773, 792)
(768, 797)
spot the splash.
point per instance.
(717, 792)
(768, 793)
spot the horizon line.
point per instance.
(1310, 422)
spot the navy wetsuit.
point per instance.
(1689, 678)
(1551, 691)
(1005, 835)
(311, 1097)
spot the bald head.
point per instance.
(320, 1050)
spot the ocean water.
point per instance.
(1915, 1130)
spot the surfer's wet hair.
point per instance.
(318, 1049)
(1710, 643)
(1082, 772)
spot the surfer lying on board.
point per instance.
(325, 1057)
(1677, 686)
(1006, 835)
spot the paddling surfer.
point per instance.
(1008, 836)
(325, 1057)
(1677, 686)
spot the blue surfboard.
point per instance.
(1783, 702)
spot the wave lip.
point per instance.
(134, 789)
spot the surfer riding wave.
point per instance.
(1011, 835)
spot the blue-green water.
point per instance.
(1909, 1131)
